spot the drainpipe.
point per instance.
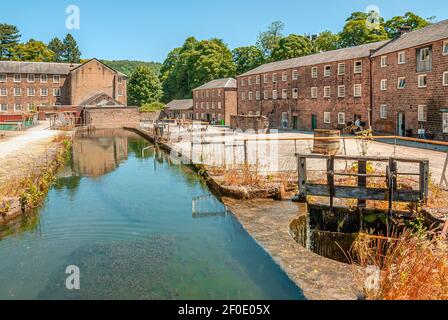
(370, 113)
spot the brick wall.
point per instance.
(231, 104)
(245, 123)
(211, 98)
(110, 118)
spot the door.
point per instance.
(445, 122)
(295, 123)
(284, 120)
(313, 122)
(208, 117)
(401, 125)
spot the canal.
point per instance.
(138, 227)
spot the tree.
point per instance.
(360, 29)
(327, 41)
(247, 58)
(144, 87)
(293, 46)
(409, 20)
(32, 50)
(9, 38)
(71, 50)
(57, 46)
(268, 40)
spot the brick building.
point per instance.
(28, 86)
(216, 99)
(325, 90)
(410, 89)
(180, 109)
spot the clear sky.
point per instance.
(148, 29)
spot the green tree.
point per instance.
(32, 50)
(268, 40)
(360, 29)
(57, 46)
(326, 41)
(292, 46)
(71, 50)
(247, 58)
(144, 87)
(409, 20)
(9, 38)
(128, 67)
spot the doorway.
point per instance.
(313, 122)
(401, 124)
(295, 123)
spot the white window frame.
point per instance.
(219, 105)
(5, 109)
(357, 69)
(399, 82)
(427, 49)
(284, 76)
(383, 84)
(422, 76)
(313, 92)
(327, 92)
(257, 79)
(257, 95)
(327, 117)
(445, 122)
(341, 118)
(341, 69)
(44, 92)
(17, 107)
(274, 95)
(266, 95)
(285, 94)
(57, 78)
(57, 92)
(383, 111)
(295, 93)
(17, 93)
(314, 73)
(249, 81)
(383, 61)
(31, 92)
(327, 71)
(3, 77)
(341, 91)
(400, 55)
(44, 78)
(5, 90)
(445, 48)
(30, 78)
(295, 74)
(17, 78)
(355, 89)
(445, 79)
(422, 113)
(243, 96)
(250, 95)
(274, 77)
(242, 82)
(265, 78)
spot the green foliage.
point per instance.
(144, 87)
(194, 64)
(152, 107)
(32, 50)
(58, 48)
(356, 30)
(293, 46)
(268, 40)
(409, 20)
(327, 41)
(9, 38)
(71, 51)
(128, 67)
(247, 58)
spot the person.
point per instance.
(358, 123)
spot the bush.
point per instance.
(152, 107)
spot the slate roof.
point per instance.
(36, 67)
(432, 33)
(185, 104)
(323, 57)
(218, 83)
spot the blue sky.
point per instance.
(148, 29)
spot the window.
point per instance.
(383, 111)
(17, 92)
(197, 94)
(202, 94)
(445, 123)
(31, 107)
(424, 54)
(44, 92)
(401, 57)
(243, 83)
(384, 84)
(3, 92)
(243, 96)
(257, 79)
(266, 95)
(249, 81)
(341, 118)
(17, 107)
(314, 72)
(295, 74)
(120, 79)
(327, 71)
(445, 48)
(219, 93)
(284, 76)
(250, 95)
(31, 78)
(422, 81)
(422, 114)
(274, 77)
(314, 92)
(208, 105)
(327, 117)
(43, 78)
(3, 78)
(265, 78)
(17, 78)
(207, 94)
(197, 105)
(445, 78)
(257, 95)
(327, 92)
(284, 94)
(401, 83)
(341, 69)
(358, 67)
(202, 105)
(274, 94)
(341, 91)
(57, 92)
(357, 90)
(31, 92)
(383, 61)
(295, 93)
(197, 116)
(3, 107)
(219, 105)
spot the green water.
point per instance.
(126, 220)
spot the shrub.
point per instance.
(152, 107)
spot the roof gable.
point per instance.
(218, 83)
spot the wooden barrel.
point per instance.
(326, 147)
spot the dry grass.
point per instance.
(413, 267)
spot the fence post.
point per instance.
(362, 180)
(424, 181)
(392, 181)
(302, 177)
(246, 160)
(330, 178)
(443, 179)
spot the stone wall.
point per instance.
(110, 118)
(245, 123)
